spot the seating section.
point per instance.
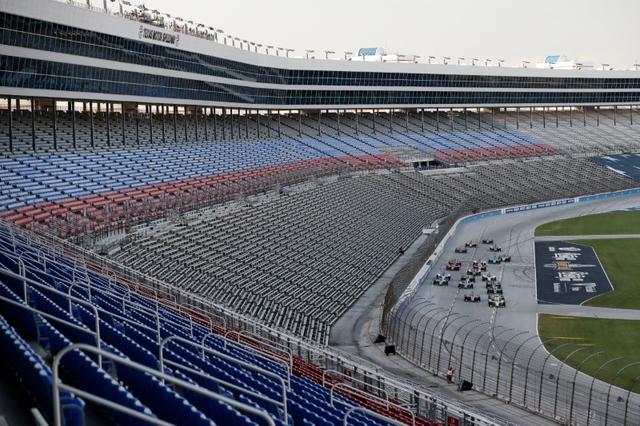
(60, 305)
(298, 260)
(624, 164)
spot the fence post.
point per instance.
(606, 413)
(413, 310)
(464, 344)
(434, 335)
(475, 350)
(593, 380)
(555, 401)
(424, 333)
(626, 404)
(424, 315)
(444, 329)
(486, 358)
(526, 378)
(513, 365)
(500, 356)
(453, 341)
(575, 375)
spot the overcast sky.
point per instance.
(598, 31)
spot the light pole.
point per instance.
(278, 50)
(500, 61)
(309, 51)
(525, 63)
(415, 58)
(486, 62)
(473, 61)
(258, 45)
(246, 43)
(253, 45)
(445, 60)
(327, 53)
(460, 60)
(430, 58)
(605, 66)
(347, 55)
(288, 51)
(267, 49)
(223, 35)
(636, 65)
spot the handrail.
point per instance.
(328, 371)
(230, 359)
(25, 280)
(388, 403)
(288, 368)
(58, 385)
(369, 413)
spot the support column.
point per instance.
(33, 124)
(196, 117)
(338, 120)
(206, 125)
(615, 110)
(257, 121)
(479, 120)
(422, 119)
(505, 117)
(91, 124)
(390, 122)
(184, 124)
(531, 117)
(374, 114)
(108, 125)
(451, 118)
(357, 123)
(557, 117)
(407, 120)
(631, 115)
(544, 117)
(584, 116)
(320, 123)
(246, 123)
(224, 124)
(137, 124)
(279, 126)
(10, 126)
(123, 113)
(215, 124)
(175, 124)
(299, 123)
(164, 127)
(597, 116)
(466, 125)
(73, 125)
(517, 117)
(269, 123)
(570, 117)
(437, 120)
(150, 124)
(55, 126)
(493, 118)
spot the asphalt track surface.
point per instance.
(501, 354)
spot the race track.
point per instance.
(497, 349)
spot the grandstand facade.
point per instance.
(158, 181)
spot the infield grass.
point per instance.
(618, 222)
(588, 336)
(620, 260)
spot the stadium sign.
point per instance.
(161, 36)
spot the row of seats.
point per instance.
(131, 327)
(300, 259)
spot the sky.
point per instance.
(590, 31)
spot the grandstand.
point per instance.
(194, 216)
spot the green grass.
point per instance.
(619, 222)
(588, 336)
(620, 261)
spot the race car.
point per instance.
(489, 278)
(497, 301)
(465, 284)
(468, 278)
(471, 244)
(494, 289)
(505, 258)
(460, 250)
(439, 281)
(487, 241)
(479, 263)
(495, 248)
(454, 265)
(474, 298)
(446, 277)
(496, 260)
